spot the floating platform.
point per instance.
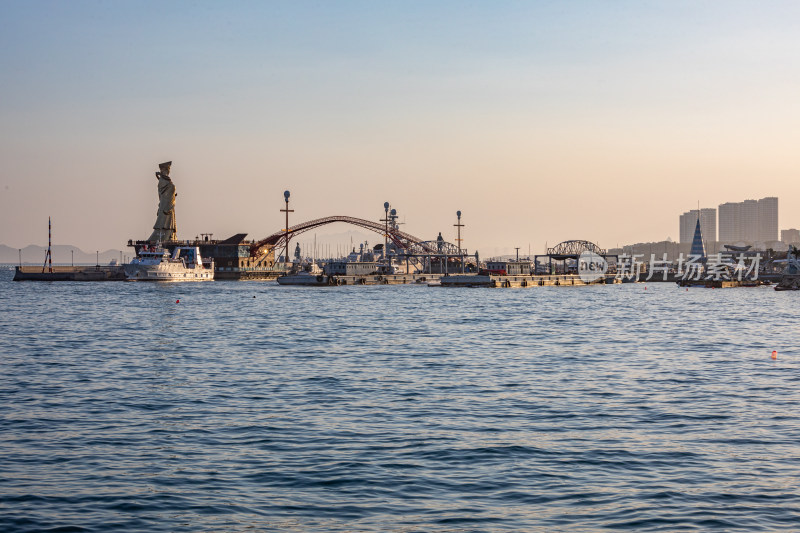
(721, 284)
(245, 274)
(70, 273)
(385, 279)
(491, 280)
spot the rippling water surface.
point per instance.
(254, 407)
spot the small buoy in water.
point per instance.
(645, 288)
(774, 354)
(253, 296)
(177, 301)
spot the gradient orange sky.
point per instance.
(540, 121)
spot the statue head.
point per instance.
(165, 167)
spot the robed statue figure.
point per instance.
(164, 228)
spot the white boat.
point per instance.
(310, 276)
(304, 278)
(156, 264)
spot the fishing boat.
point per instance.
(155, 263)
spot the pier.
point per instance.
(69, 273)
(520, 281)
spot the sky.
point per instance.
(540, 121)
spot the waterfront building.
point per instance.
(708, 223)
(790, 236)
(509, 268)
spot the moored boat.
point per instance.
(155, 263)
(311, 275)
(305, 278)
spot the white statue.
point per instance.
(164, 229)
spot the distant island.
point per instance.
(63, 254)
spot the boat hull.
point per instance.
(307, 280)
(135, 272)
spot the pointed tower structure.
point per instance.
(698, 247)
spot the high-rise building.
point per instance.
(768, 219)
(748, 219)
(708, 224)
(790, 236)
(729, 228)
(751, 221)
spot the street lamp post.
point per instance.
(386, 232)
(458, 240)
(286, 235)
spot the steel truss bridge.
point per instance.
(410, 248)
(573, 249)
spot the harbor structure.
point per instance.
(568, 253)
(233, 258)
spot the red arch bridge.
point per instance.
(407, 246)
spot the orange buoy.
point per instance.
(774, 354)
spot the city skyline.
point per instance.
(540, 122)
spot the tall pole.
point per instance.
(386, 232)
(48, 257)
(458, 240)
(286, 234)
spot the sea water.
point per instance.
(248, 406)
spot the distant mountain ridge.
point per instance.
(62, 255)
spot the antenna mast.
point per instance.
(48, 257)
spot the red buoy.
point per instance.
(774, 354)
(177, 301)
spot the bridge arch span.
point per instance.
(278, 239)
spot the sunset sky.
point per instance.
(540, 121)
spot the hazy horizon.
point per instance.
(541, 122)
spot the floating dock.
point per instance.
(385, 279)
(722, 283)
(70, 273)
(491, 280)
